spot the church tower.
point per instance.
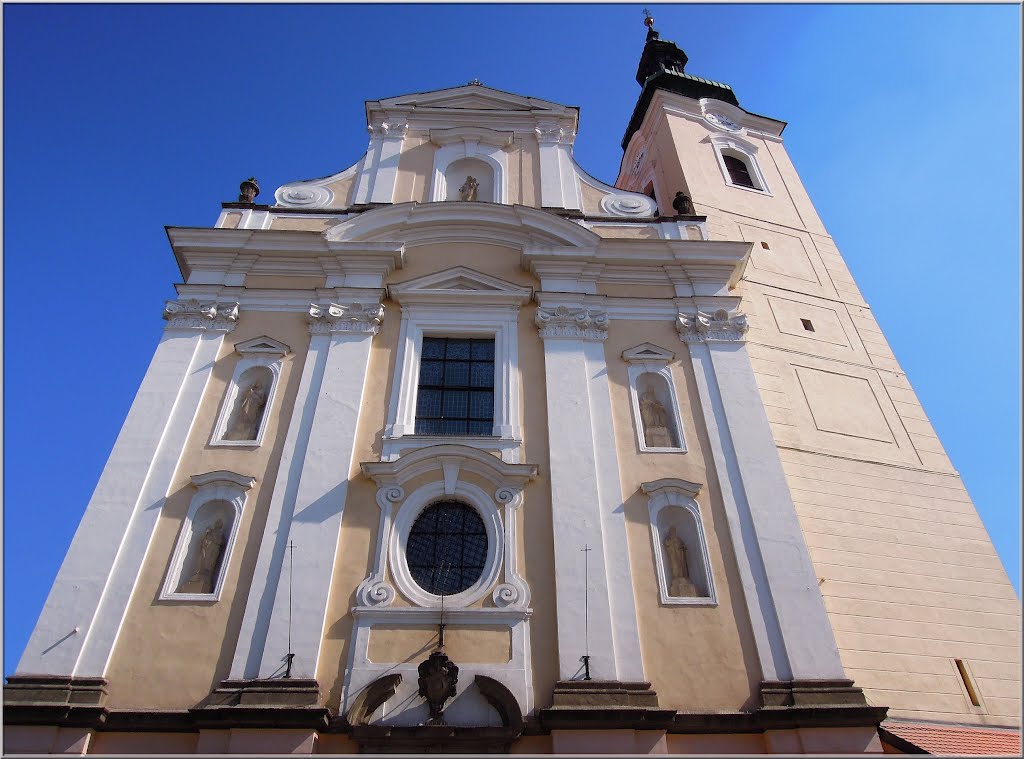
(463, 450)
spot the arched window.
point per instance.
(737, 159)
(738, 171)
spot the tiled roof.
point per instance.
(941, 739)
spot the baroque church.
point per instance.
(464, 450)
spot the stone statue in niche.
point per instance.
(657, 427)
(207, 561)
(469, 189)
(680, 583)
(251, 404)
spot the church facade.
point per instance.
(462, 449)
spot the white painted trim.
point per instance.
(658, 366)
(745, 151)
(411, 508)
(101, 637)
(440, 320)
(587, 510)
(214, 486)
(672, 493)
(103, 561)
(616, 202)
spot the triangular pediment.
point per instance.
(647, 352)
(459, 284)
(264, 345)
(472, 97)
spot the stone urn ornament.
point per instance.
(248, 190)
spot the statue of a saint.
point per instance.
(657, 429)
(679, 579)
(207, 561)
(468, 189)
(250, 413)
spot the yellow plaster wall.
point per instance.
(302, 224)
(230, 220)
(343, 189)
(186, 646)
(413, 643)
(681, 646)
(359, 532)
(415, 167)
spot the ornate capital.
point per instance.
(549, 135)
(716, 327)
(195, 314)
(389, 129)
(575, 322)
(351, 317)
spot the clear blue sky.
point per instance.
(903, 122)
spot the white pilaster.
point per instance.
(78, 627)
(379, 171)
(559, 186)
(586, 499)
(793, 635)
(309, 498)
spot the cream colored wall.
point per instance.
(688, 645)
(360, 524)
(911, 580)
(302, 224)
(343, 189)
(137, 744)
(186, 646)
(416, 166)
(230, 220)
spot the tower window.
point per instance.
(447, 548)
(765, 246)
(649, 192)
(807, 325)
(738, 171)
(456, 387)
(968, 684)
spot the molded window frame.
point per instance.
(737, 147)
(414, 505)
(257, 352)
(215, 486)
(430, 308)
(671, 493)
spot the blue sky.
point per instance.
(904, 123)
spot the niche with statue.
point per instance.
(250, 393)
(203, 550)
(680, 549)
(469, 179)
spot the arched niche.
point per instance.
(457, 173)
(681, 558)
(208, 533)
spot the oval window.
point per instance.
(447, 548)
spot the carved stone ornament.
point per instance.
(305, 196)
(352, 317)
(438, 678)
(550, 135)
(632, 204)
(393, 128)
(719, 326)
(194, 314)
(577, 322)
